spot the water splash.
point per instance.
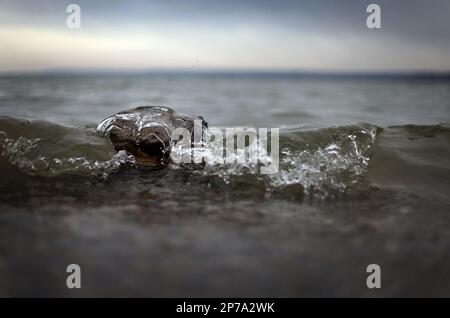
(322, 162)
(16, 152)
(31, 155)
(332, 167)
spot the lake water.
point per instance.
(364, 178)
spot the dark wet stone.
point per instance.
(146, 132)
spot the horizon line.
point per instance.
(231, 71)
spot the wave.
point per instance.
(42, 148)
(322, 162)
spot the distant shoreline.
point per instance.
(380, 75)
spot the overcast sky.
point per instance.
(312, 35)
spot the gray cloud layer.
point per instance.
(412, 29)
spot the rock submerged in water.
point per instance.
(146, 132)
